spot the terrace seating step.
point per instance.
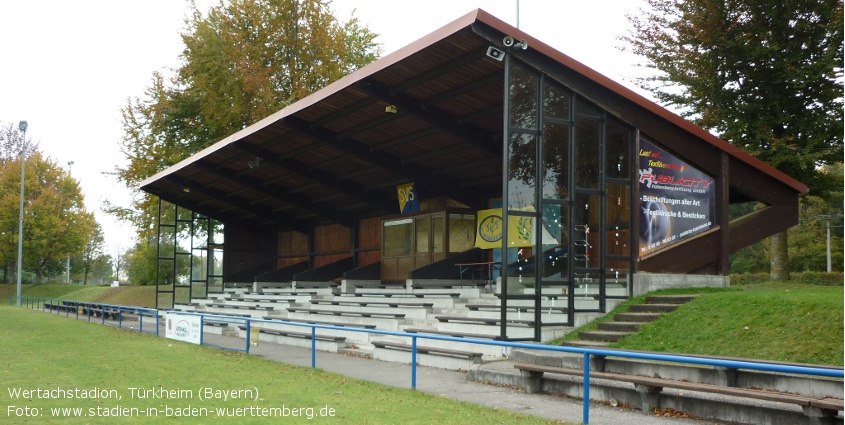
(492, 321)
(345, 313)
(496, 307)
(650, 388)
(429, 350)
(322, 322)
(374, 303)
(305, 335)
(620, 326)
(452, 334)
(407, 294)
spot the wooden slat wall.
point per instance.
(329, 241)
(292, 248)
(369, 241)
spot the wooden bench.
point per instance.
(452, 334)
(650, 388)
(484, 320)
(475, 357)
(345, 312)
(322, 322)
(374, 303)
(294, 334)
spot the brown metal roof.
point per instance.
(337, 155)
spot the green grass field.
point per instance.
(767, 321)
(47, 352)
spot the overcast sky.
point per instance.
(68, 66)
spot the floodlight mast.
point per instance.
(22, 127)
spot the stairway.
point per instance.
(628, 323)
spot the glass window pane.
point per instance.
(461, 232)
(523, 98)
(587, 154)
(183, 214)
(183, 269)
(199, 268)
(521, 170)
(618, 219)
(422, 228)
(183, 236)
(584, 109)
(397, 237)
(556, 102)
(166, 241)
(439, 234)
(217, 231)
(617, 280)
(168, 213)
(556, 161)
(165, 272)
(217, 266)
(586, 241)
(555, 241)
(617, 150)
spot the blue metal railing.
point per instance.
(116, 311)
(834, 372)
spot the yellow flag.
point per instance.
(489, 231)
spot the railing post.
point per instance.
(248, 332)
(586, 388)
(202, 327)
(414, 362)
(313, 347)
(140, 321)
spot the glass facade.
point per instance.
(568, 172)
(190, 255)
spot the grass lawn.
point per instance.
(42, 351)
(769, 321)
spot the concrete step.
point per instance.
(670, 299)
(636, 317)
(653, 308)
(632, 327)
(603, 336)
(585, 343)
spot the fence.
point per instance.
(586, 352)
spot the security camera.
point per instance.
(495, 53)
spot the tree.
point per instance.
(242, 61)
(765, 75)
(93, 260)
(56, 223)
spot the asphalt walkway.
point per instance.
(454, 385)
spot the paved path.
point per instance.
(454, 385)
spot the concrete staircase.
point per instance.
(624, 324)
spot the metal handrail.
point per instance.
(834, 372)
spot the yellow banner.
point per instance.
(489, 231)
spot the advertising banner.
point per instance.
(676, 200)
(183, 327)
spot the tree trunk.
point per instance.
(780, 257)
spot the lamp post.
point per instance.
(69, 166)
(827, 219)
(22, 127)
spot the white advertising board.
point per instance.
(183, 327)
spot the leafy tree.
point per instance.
(807, 240)
(242, 61)
(93, 261)
(140, 263)
(56, 223)
(766, 75)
